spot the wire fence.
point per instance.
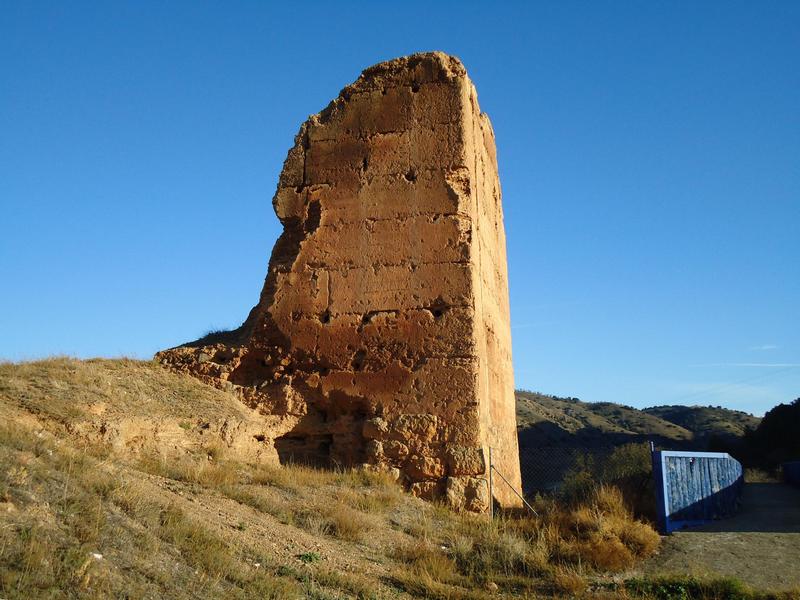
(494, 471)
(573, 472)
(547, 470)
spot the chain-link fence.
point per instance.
(573, 471)
(547, 470)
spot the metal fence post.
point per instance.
(491, 491)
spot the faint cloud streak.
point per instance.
(752, 365)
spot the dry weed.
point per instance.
(452, 556)
(202, 470)
(336, 520)
(568, 581)
(428, 562)
(291, 478)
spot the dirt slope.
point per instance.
(760, 545)
(119, 479)
(131, 478)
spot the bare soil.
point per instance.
(760, 545)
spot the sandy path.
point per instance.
(760, 545)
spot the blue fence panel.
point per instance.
(693, 488)
(791, 472)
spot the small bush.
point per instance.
(568, 581)
(348, 523)
(484, 549)
(754, 475)
(640, 537)
(628, 468)
(428, 562)
(605, 534)
(308, 557)
(202, 470)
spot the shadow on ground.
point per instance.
(765, 508)
(760, 545)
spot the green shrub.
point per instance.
(686, 587)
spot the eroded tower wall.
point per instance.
(382, 336)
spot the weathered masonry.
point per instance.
(382, 335)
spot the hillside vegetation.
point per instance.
(544, 420)
(121, 480)
(707, 422)
(776, 439)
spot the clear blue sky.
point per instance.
(649, 155)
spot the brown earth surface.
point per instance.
(760, 545)
(120, 479)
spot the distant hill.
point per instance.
(544, 420)
(707, 422)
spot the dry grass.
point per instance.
(258, 486)
(555, 552)
(360, 586)
(337, 520)
(65, 505)
(569, 581)
(753, 475)
(158, 517)
(601, 533)
(293, 479)
(191, 469)
(381, 497)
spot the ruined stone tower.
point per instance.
(382, 335)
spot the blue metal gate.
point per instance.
(693, 488)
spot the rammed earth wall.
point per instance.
(382, 335)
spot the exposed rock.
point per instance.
(465, 461)
(468, 493)
(427, 490)
(424, 428)
(375, 428)
(382, 334)
(392, 472)
(424, 467)
(374, 450)
(396, 450)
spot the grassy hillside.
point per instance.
(552, 421)
(121, 480)
(707, 421)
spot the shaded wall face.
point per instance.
(495, 387)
